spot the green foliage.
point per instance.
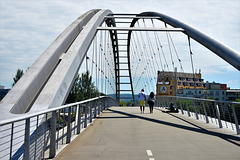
(82, 89)
(18, 75)
(122, 103)
(129, 103)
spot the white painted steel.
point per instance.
(23, 94)
(140, 29)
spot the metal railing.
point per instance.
(223, 113)
(39, 135)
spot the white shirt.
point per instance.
(141, 96)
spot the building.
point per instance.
(233, 94)
(190, 85)
(166, 82)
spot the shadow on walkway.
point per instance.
(230, 138)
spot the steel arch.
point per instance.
(226, 53)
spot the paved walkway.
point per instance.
(122, 133)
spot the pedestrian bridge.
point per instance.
(98, 129)
(121, 54)
(125, 133)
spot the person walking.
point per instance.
(151, 102)
(142, 98)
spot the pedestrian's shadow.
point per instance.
(230, 138)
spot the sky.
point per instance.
(28, 27)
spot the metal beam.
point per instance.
(140, 29)
(131, 17)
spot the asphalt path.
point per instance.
(123, 133)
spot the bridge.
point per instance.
(122, 53)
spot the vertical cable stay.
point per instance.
(153, 57)
(93, 46)
(169, 47)
(191, 58)
(148, 64)
(96, 52)
(154, 66)
(159, 42)
(102, 65)
(143, 57)
(147, 58)
(179, 60)
(155, 35)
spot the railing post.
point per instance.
(79, 119)
(168, 102)
(236, 120)
(27, 140)
(218, 115)
(85, 121)
(95, 109)
(195, 105)
(68, 140)
(52, 151)
(181, 106)
(100, 101)
(188, 109)
(104, 104)
(162, 103)
(98, 106)
(205, 112)
(36, 139)
(11, 142)
(90, 110)
(175, 103)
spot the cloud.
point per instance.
(28, 27)
(235, 82)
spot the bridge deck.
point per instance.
(122, 133)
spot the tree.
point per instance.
(18, 75)
(129, 103)
(83, 88)
(122, 103)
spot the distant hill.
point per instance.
(126, 95)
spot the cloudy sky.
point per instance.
(27, 28)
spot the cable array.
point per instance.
(99, 62)
(151, 52)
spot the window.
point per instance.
(191, 84)
(199, 84)
(211, 93)
(195, 79)
(181, 78)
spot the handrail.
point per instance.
(30, 115)
(224, 112)
(200, 99)
(34, 135)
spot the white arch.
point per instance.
(47, 82)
